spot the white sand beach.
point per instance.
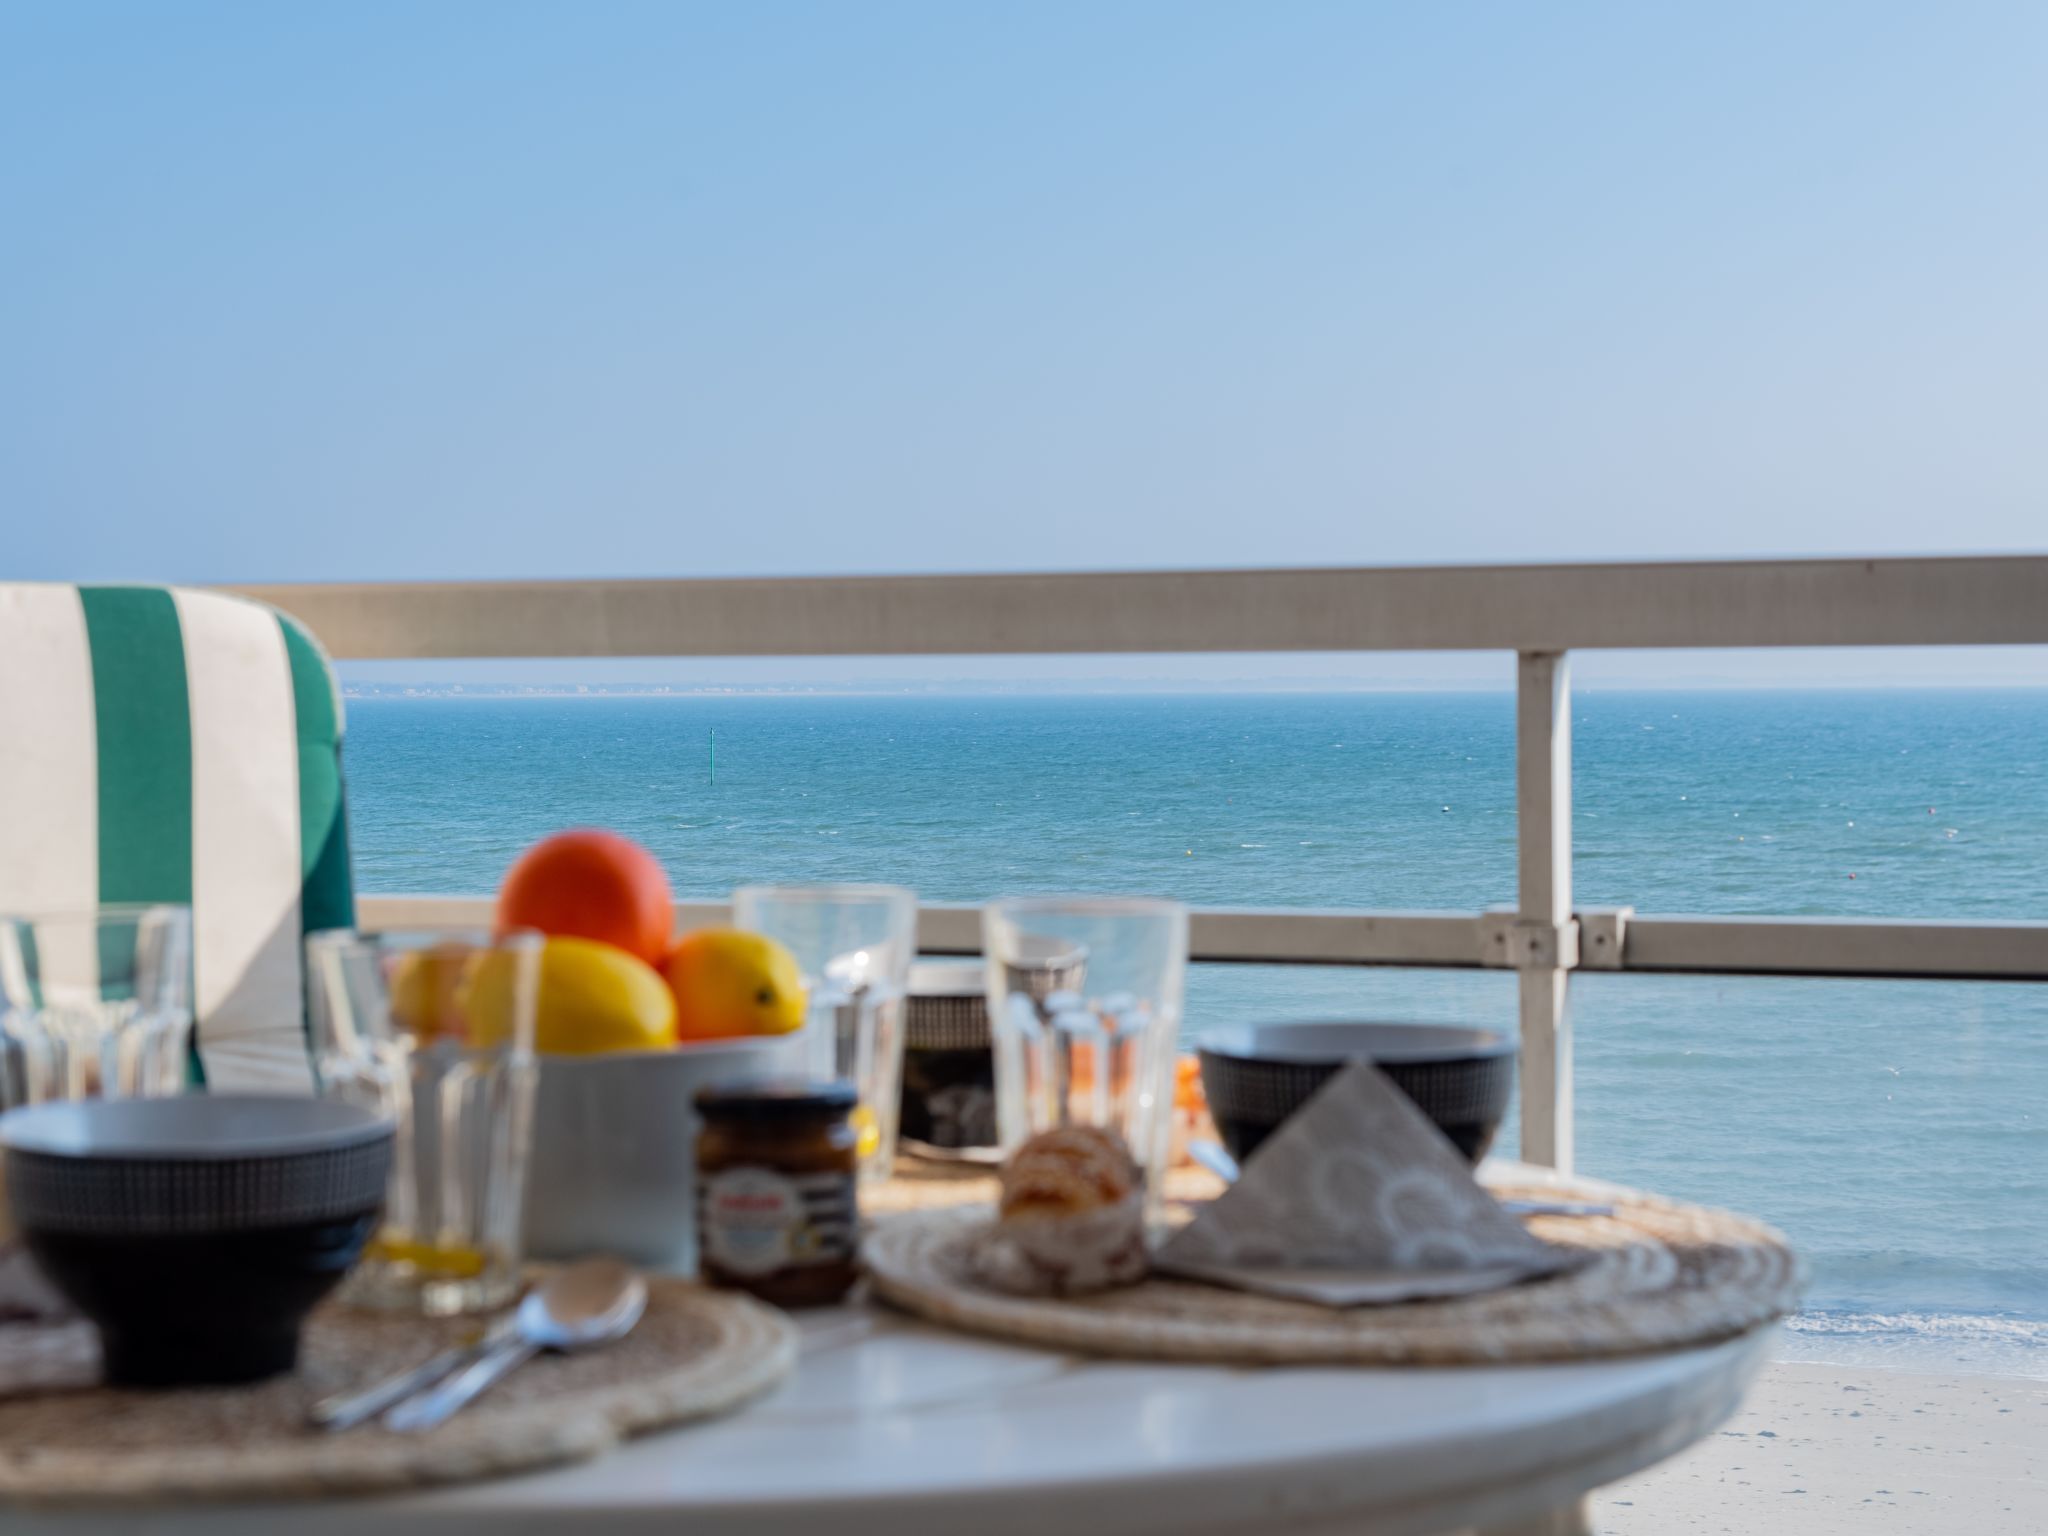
(1820, 1449)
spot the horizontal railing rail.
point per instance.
(1733, 604)
(1687, 946)
(1540, 612)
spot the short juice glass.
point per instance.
(95, 1004)
(854, 945)
(436, 1031)
(1084, 1011)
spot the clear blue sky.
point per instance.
(461, 290)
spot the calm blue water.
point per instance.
(1898, 1131)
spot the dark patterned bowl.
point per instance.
(196, 1232)
(949, 1081)
(1256, 1075)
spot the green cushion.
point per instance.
(167, 744)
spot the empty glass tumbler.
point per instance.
(854, 945)
(1084, 1009)
(95, 1003)
(436, 1031)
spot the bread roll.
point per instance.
(1071, 1219)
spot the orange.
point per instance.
(589, 884)
(728, 983)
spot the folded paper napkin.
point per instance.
(1357, 1198)
(25, 1296)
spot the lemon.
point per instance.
(729, 983)
(867, 1131)
(593, 997)
(424, 984)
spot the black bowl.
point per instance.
(1256, 1075)
(196, 1232)
(949, 1081)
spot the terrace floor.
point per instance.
(1822, 1449)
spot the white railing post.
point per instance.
(1546, 947)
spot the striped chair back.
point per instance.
(166, 745)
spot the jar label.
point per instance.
(754, 1221)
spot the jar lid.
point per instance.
(776, 1098)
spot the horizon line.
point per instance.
(1134, 687)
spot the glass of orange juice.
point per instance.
(436, 1031)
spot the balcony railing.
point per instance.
(1539, 612)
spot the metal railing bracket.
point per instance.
(1510, 942)
(1603, 933)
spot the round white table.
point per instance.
(893, 1426)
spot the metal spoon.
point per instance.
(345, 1410)
(589, 1303)
(1215, 1159)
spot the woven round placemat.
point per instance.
(1656, 1275)
(66, 1440)
(922, 1183)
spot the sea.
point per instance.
(1897, 1131)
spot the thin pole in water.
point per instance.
(712, 748)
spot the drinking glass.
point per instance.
(435, 1032)
(95, 1004)
(854, 945)
(1084, 1009)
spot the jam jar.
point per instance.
(777, 1166)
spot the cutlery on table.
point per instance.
(590, 1303)
(345, 1410)
(1215, 1159)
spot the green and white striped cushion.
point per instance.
(161, 744)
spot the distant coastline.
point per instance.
(967, 688)
(963, 689)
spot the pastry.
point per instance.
(1072, 1217)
